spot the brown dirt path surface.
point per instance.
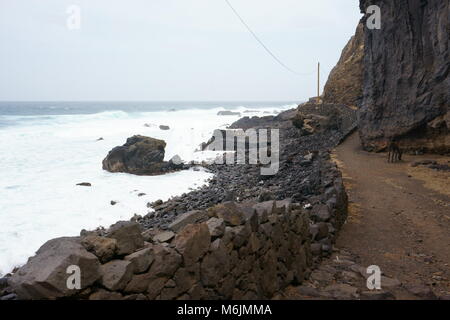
(399, 215)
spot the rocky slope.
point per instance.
(344, 85)
(191, 248)
(302, 158)
(406, 88)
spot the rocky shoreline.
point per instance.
(302, 157)
(308, 184)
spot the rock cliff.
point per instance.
(344, 85)
(406, 87)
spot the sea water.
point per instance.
(48, 148)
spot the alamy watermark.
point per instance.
(374, 20)
(374, 280)
(73, 21)
(73, 281)
(257, 147)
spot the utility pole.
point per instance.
(318, 82)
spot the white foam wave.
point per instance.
(44, 157)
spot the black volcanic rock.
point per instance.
(139, 155)
(302, 164)
(406, 89)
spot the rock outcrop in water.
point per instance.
(344, 85)
(139, 155)
(406, 90)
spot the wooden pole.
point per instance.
(318, 82)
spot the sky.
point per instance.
(150, 50)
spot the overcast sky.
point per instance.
(169, 49)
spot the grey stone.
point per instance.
(155, 287)
(188, 218)
(323, 214)
(421, 291)
(166, 262)
(116, 274)
(241, 235)
(128, 236)
(45, 275)
(318, 231)
(231, 214)
(193, 242)
(104, 248)
(103, 294)
(164, 236)
(263, 210)
(390, 283)
(141, 260)
(283, 206)
(215, 265)
(216, 227)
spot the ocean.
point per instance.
(46, 148)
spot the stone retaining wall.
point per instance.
(231, 251)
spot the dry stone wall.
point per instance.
(245, 250)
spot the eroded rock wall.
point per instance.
(406, 88)
(344, 84)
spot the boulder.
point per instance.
(390, 283)
(318, 231)
(104, 248)
(193, 242)
(421, 291)
(163, 127)
(322, 213)
(188, 218)
(116, 274)
(141, 260)
(84, 184)
(230, 213)
(263, 210)
(216, 227)
(164, 236)
(45, 275)
(176, 160)
(215, 265)
(128, 236)
(139, 155)
(166, 263)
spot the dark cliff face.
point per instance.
(344, 85)
(406, 86)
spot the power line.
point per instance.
(264, 46)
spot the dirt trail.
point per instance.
(399, 216)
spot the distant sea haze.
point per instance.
(47, 148)
(90, 107)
